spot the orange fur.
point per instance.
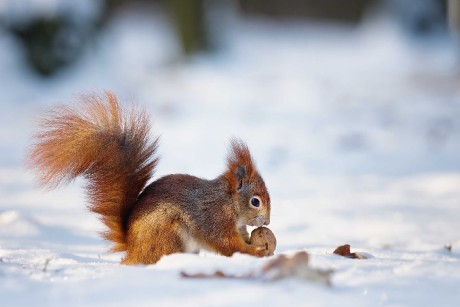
(239, 164)
(109, 147)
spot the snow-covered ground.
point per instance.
(356, 132)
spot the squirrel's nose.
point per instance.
(267, 221)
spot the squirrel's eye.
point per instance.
(255, 201)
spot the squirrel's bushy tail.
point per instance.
(108, 146)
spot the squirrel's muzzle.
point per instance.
(262, 220)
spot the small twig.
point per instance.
(45, 266)
(217, 274)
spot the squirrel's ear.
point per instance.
(240, 173)
(240, 167)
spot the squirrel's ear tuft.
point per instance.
(240, 167)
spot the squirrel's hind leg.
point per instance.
(153, 237)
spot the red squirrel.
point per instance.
(109, 146)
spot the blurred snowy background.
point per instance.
(351, 109)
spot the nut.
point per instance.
(262, 236)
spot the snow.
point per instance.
(354, 130)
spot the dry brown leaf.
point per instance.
(285, 263)
(282, 267)
(344, 251)
(296, 266)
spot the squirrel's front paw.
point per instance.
(263, 250)
(244, 234)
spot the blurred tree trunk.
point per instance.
(453, 13)
(453, 10)
(188, 16)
